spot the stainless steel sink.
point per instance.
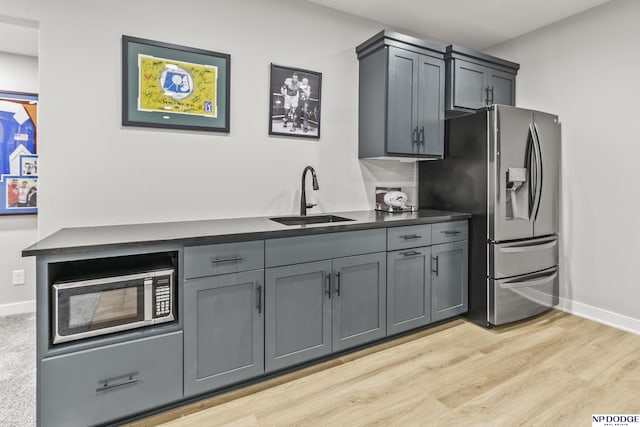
(313, 219)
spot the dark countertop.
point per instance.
(90, 239)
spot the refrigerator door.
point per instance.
(547, 135)
(509, 178)
(520, 297)
(522, 257)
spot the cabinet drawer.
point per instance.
(411, 236)
(211, 260)
(296, 250)
(446, 232)
(107, 383)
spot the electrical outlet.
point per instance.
(18, 277)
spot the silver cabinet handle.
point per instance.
(486, 99)
(437, 265)
(421, 135)
(221, 260)
(118, 382)
(338, 283)
(410, 253)
(450, 232)
(414, 135)
(411, 237)
(327, 287)
(491, 90)
(259, 299)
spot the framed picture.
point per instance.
(294, 108)
(20, 194)
(177, 87)
(18, 158)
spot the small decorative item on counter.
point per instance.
(392, 199)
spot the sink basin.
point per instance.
(313, 219)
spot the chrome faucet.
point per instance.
(303, 195)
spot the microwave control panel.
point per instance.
(162, 296)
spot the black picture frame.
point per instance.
(151, 97)
(299, 114)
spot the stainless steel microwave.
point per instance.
(89, 308)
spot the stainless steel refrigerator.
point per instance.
(502, 165)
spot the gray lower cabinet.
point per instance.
(223, 330)
(359, 300)
(408, 289)
(298, 313)
(449, 280)
(315, 308)
(106, 383)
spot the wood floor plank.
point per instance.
(555, 369)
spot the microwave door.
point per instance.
(510, 174)
(547, 135)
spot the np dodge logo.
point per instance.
(615, 420)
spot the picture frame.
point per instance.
(295, 96)
(171, 86)
(18, 131)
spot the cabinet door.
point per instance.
(470, 85)
(449, 280)
(223, 330)
(408, 289)
(359, 300)
(403, 102)
(502, 87)
(431, 106)
(298, 314)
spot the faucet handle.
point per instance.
(310, 205)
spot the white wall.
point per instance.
(94, 171)
(18, 74)
(585, 69)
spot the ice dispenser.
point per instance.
(518, 193)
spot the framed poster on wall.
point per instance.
(171, 86)
(294, 102)
(18, 153)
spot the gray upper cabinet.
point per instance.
(401, 97)
(359, 300)
(449, 280)
(476, 80)
(224, 330)
(408, 289)
(298, 313)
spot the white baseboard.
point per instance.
(600, 315)
(18, 308)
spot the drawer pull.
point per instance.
(451, 232)
(110, 384)
(327, 288)
(221, 260)
(338, 283)
(411, 237)
(436, 259)
(411, 253)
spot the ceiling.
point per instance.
(19, 36)
(476, 24)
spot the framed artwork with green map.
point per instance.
(171, 86)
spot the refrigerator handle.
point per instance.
(529, 164)
(536, 184)
(540, 171)
(536, 282)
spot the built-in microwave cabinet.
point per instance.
(476, 80)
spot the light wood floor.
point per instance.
(554, 370)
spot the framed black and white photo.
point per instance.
(171, 86)
(294, 108)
